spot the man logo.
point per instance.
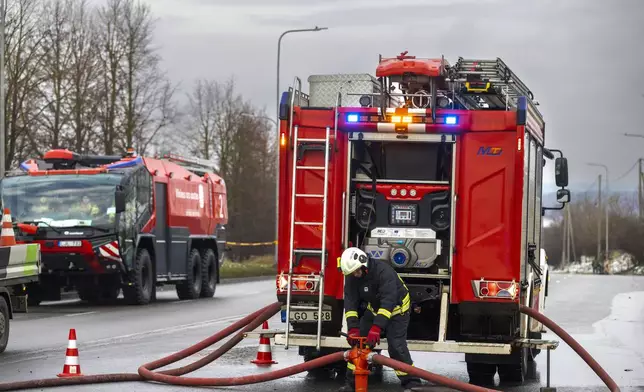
(376, 254)
(490, 151)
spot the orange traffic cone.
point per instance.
(72, 365)
(264, 354)
(7, 238)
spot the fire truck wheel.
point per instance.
(4, 324)
(481, 373)
(208, 273)
(516, 372)
(191, 287)
(140, 292)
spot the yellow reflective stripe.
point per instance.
(401, 373)
(351, 313)
(384, 312)
(351, 366)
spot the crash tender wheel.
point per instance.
(4, 324)
(141, 290)
(191, 287)
(208, 273)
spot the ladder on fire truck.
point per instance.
(489, 84)
(322, 251)
(195, 165)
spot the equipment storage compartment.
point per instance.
(323, 89)
(400, 203)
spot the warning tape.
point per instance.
(251, 243)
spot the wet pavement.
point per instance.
(604, 313)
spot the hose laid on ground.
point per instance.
(251, 322)
(570, 341)
(428, 376)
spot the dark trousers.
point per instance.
(396, 334)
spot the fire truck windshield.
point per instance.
(62, 201)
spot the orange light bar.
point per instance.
(283, 140)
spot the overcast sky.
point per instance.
(583, 59)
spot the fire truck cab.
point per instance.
(436, 169)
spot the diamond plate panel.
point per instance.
(323, 89)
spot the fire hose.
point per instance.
(251, 322)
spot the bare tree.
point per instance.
(112, 53)
(55, 86)
(23, 62)
(84, 70)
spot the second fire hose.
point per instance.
(251, 322)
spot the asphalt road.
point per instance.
(604, 313)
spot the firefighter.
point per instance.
(388, 309)
(86, 207)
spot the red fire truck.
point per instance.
(106, 223)
(436, 169)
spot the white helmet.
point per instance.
(352, 259)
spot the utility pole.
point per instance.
(564, 239)
(572, 234)
(639, 188)
(599, 219)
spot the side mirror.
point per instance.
(119, 201)
(563, 196)
(561, 172)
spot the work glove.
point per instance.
(353, 333)
(373, 337)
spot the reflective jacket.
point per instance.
(381, 288)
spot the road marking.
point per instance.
(111, 340)
(80, 314)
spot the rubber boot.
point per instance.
(347, 387)
(412, 386)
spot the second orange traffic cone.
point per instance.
(7, 237)
(72, 365)
(264, 354)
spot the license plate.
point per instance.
(309, 316)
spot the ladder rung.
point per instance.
(308, 195)
(309, 167)
(309, 251)
(311, 140)
(309, 223)
(295, 307)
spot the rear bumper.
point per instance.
(78, 264)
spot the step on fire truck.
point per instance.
(436, 169)
(106, 223)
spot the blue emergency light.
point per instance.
(451, 120)
(352, 118)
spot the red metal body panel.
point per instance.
(421, 190)
(193, 202)
(488, 225)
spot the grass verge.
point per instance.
(255, 266)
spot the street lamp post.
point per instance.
(607, 199)
(3, 10)
(277, 133)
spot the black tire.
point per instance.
(4, 324)
(191, 287)
(142, 278)
(515, 373)
(481, 373)
(208, 273)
